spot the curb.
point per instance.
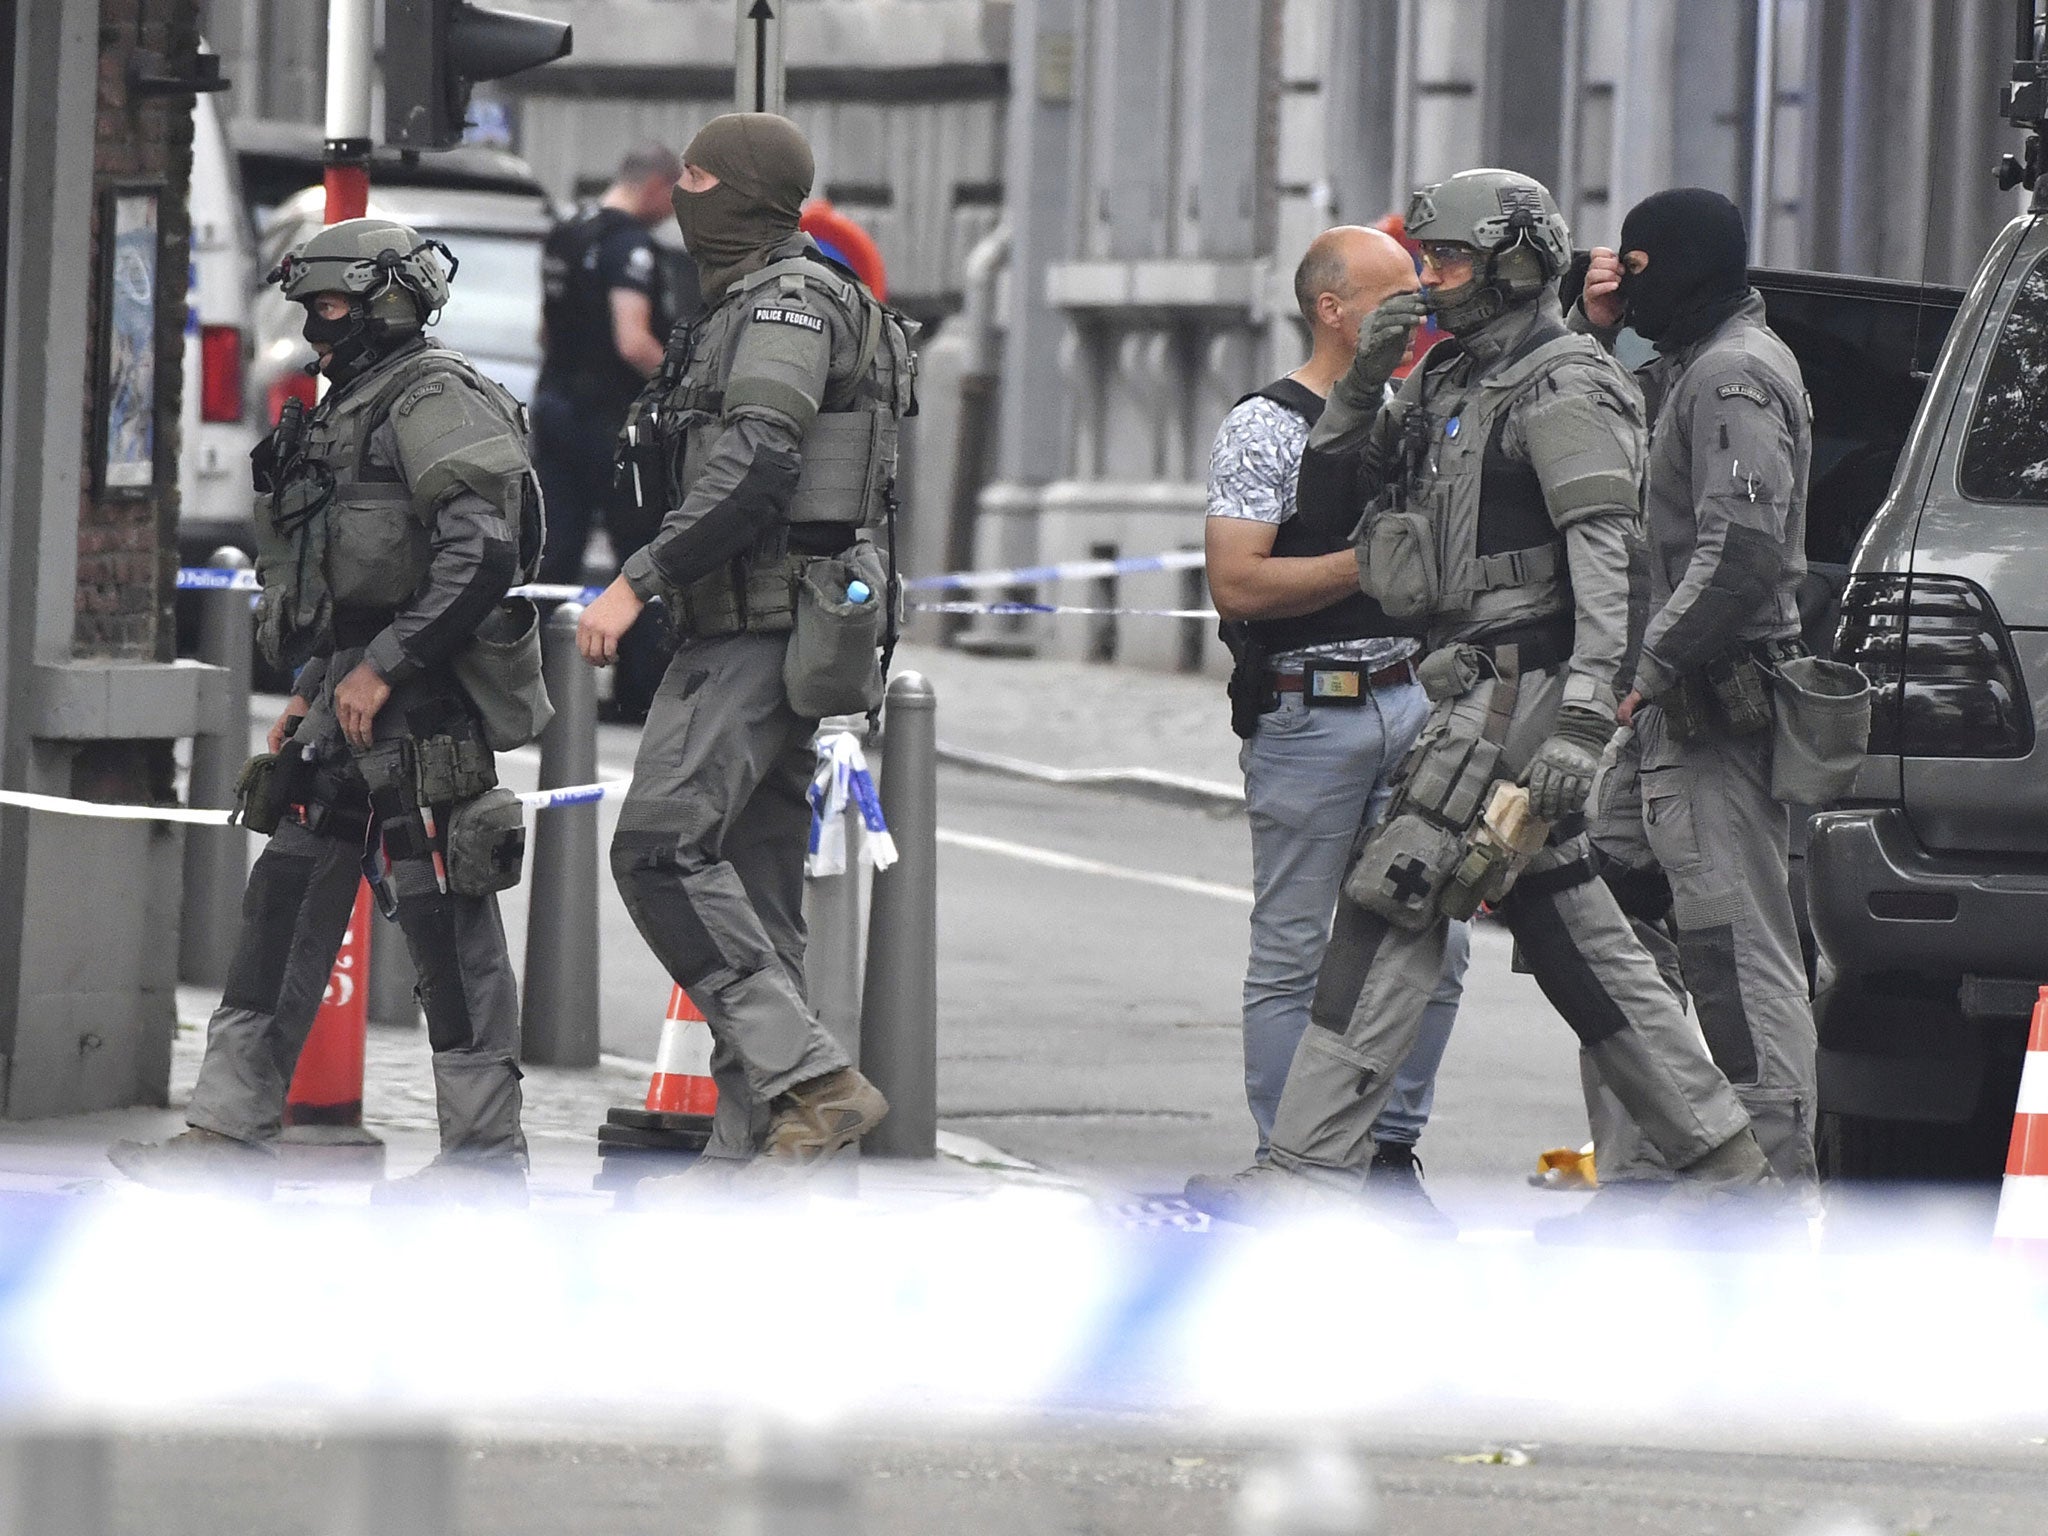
(1144, 783)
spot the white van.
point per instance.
(216, 431)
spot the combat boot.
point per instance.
(498, 1182)
(197, 1159)
(1736, 1167)
(1623, 1215)
(1394, 1193)
(1267, 1194)
(813, 1120)
(1731, 1199)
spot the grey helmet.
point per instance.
(393, 279)
(1521, 242)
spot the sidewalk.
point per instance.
(1072, 715)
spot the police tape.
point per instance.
(1009, 609)
(534, 799)
(213, 578)
(221, 579)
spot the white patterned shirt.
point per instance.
(1252, 473)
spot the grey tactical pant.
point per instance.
(1708, 819)
(1376, 980)
(294, 916)
(709, 855)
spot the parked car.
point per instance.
(1929, 883)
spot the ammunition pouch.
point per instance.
(834, 662)
(486, 844)
(755, 594)
(1730, 694)
(259, 804)
(449, 770)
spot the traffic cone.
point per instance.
(2023, 1201)
(681, 1097)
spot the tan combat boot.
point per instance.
(813, 1120)
(198, 1159)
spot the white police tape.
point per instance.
(1007, 609)
(535, 799)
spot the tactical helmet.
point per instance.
(1520, 241)
(390, 275)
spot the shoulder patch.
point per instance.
(1747, 392)
(417, 393)
(777, 315)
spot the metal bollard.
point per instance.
(217, 858)
(559, 1017)
(787, 1482)
(832, 952)
(55, 1482)
(392, 1481)
(899, 1029)
(1320, 1490)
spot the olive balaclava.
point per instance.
(764, 169)
(1698, 273)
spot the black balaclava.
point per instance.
(352, 348)
(1699, 265)
(764, 169)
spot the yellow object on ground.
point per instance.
(1562, 1168)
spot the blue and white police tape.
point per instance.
(843, 779)
(1069, 570)
(213, 578)
(1010, 609)
(534, 799)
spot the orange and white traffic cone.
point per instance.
(681, 1096)
(2023, 1202)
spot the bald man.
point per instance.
(1324, 695)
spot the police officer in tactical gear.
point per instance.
(1508, 470)
(1730, 441)
(769, 437)
(391, 521)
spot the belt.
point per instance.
(1538, 647)
(357, 626)
(1392, 675)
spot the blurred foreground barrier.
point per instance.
(217, 858)
(787, 1481)
(1321, 1490)
(55, 1482)
(899, 1034)
(559, 1018)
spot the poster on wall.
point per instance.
(128, 375)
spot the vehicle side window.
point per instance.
(2005, 456)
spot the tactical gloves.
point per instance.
(1560, 776)
(1382, 343)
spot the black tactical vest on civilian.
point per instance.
(1327, 505)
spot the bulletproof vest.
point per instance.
(1327, 501)
(1499, 556)
(582, 358)
(847, 477)
(343, 532)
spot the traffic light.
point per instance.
(435, 50)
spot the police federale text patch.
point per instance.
(1748, 392)
(418, 393)
(780, 316)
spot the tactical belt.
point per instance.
(1391, 676)
(1538, 647)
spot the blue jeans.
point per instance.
(1312, 777)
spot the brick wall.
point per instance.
(127, 544)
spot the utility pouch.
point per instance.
(258, 805)
(1397, 563)
(1451, 672)
(486, 844)
(500, 670)
(452, 769)
(1409, 859)
(1823, 729)
(834, 663)
(1687, 707)
(1250, 690)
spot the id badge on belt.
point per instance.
(1333, 686)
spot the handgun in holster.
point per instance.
(1250, 688)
